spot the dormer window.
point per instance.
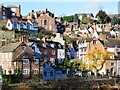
(35, 24)
(52, 45)
(44, 45)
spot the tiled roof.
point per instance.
(10, 47)
(112, 42)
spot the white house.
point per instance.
(25, 25)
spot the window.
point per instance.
(51, 73)
(21, 25)
(45, 52)
(3, 13)
(4, 17)
(45, 73)
(8, 24)
(94, 41)
(33, 48)
(3, 8)
(35, 24)
(112, 64)
(53, 52)
(25, 61)
(36, 61)
(45, 22)
(52, 59)
(28, 26)
(15, 25)
(44, 45)
(25, 71)
(45, 59)
(35, 71)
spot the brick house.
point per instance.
(51, 50)
(46, 22)
(7, 12)
(10, 53)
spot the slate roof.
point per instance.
(48, 44)
(112, 42)
(10, 47)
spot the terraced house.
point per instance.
(23, 25)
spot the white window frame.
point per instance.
(25, 71)
(3, 12)
(36, 71)
(36, 61)
(52, 59)
(25, 61)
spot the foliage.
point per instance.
(97, 58)
(68, 18)
(114, 20)
(76, 18)
(87, 20)
(48, 34)
(103, 17)
(70, 40)
(4, 28)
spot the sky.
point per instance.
(67, 8)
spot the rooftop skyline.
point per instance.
(67, 8)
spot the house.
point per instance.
(113, 66)
(7, 12)
(83, 46)
(24, 25)
(51, 50)
(80, 15)
(50, 73)
(59, 38)
(46, 20)
(8, 54)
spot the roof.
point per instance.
(10, 47)
(112, 42)
(105, 33)
(50, 44)
(12, 6)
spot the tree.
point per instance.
(87, 20)
(76, 18)
(68, 18)
(114, 20)
(103, 17)
(97, 58)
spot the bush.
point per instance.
(4, 28)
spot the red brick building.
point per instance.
(7, 12)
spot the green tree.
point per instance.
(114, 20)
(103, 17)
(68, 18)
(76, 18)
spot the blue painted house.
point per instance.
(49, 73)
